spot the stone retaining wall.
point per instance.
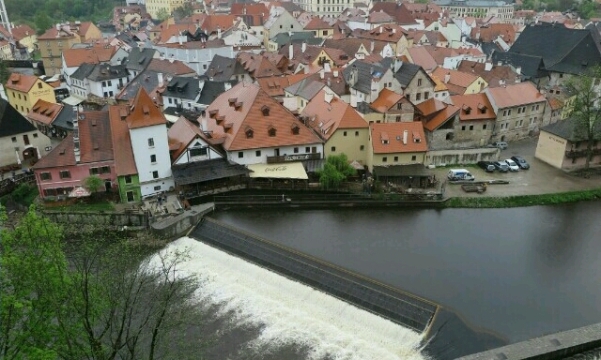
(112, 219)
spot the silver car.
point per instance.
(512, 165)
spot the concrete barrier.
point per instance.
(112, 219)
(180, 224)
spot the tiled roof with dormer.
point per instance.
(474, 107)
(90, 55)
(387, 138)
(44, 112)
(20, 82)
(515, 95)
(143, 112)
(246, 117)
(125, 163)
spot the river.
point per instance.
(514, 273)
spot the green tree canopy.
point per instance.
(335, 171)
(163, 14)
(93, 183)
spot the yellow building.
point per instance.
(23, 91)
(153, 7)
(339, 125)
(25, 37)
(61, 37)
(402, 143)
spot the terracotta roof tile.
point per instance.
(515, 95)
(93, 55)
(454, 77)
(327, 117)
(386, 99)
(389, 33)
(495, 76)
(21, 82)
(416, 138)
(255, 111)
(555, 103)
(181, 134)
(171, 67)
(440, 85)
(44, 112)
(18, 32)
(143, 112)
(474, 107)
(317, 24)
(95, 137)
(125, 163)
(61, 155)
(257, 65)
(420, 56)
(275, 85)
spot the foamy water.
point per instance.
(292, 313)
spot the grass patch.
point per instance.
(96, 206)
(523, 200)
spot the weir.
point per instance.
(402, 308)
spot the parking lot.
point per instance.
(541, 178)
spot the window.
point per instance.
(504, 112)
(471, 127)
(356, 133)
(155, 174)
(307, 149)
(198, 151)
(19, 96)
(362, 147)
(65, 174)
(153, 158)
(414, 158)
(385, 159)
(93, 171)
(45, 176)
(150, 142)
(484, 127)
(344, 133)
(105, 170)
(333, 149)
(426, 95)
(110, 83)
(396, 159)
(130, 196)
(325, 32)
(537, 107)
(240, 154)
(408, 97)
(157, 188)
(419, 82)
(258, 153)
(128, 179)
(296, 150)
(39, 85)
(104, 84)
(463, 128)
(418, 96)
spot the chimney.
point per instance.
(380, 29)
(203, 121)
(518, 70)
(487, 66)
(335, 73)
(372, 46)
(447, 78)
(218, 32)
(394, 31)
(328, 97)
(405, 134)
(304, 47)
(321, 75)
(161, 79)
(290, 52)
(76, 151)
(329, 82)
(397, 65)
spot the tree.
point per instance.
(335, 171)
(183, 11)
(4, 72)
(42, 22)
(93, 183)
(163, 14)
(99, 298)
(585, 111)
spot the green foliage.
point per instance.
(93, 183)
(523, 200)
(586, 8)
(335, 171)
(183, 11)
(24, 194)
(4, 72)
(42, 22)
(163, 14)
(28, 11)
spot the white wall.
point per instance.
(250, 156)
(142, 154)
(185, 158)
(197, 59)
(80, 88)
(8, 153)
(110, 87)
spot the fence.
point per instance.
(9, 184)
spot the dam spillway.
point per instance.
(393, 304)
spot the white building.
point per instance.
(196, 54)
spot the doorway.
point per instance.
(130, 196)
(107, 186)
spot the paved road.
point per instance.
(541, 178)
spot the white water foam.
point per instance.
(292, 313)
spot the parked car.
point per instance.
(501, 166)
(460, 174)
(512, 165)
(522, 163)
(500, 144)
(488, 166)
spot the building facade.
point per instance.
(23, 91)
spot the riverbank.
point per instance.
(523, 200)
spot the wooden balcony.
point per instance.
(292, 157)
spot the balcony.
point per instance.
(293, 157)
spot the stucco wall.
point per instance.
(461, 156)
(8, 147)
(351, 144)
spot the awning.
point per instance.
(72, 100)
(291, 170)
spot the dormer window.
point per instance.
(482, 108)
(265, 110)
(249, 133)
(467, 109)
(213, 112)
(295, 129)
(385, 142)
(271, 131)
(232, 101)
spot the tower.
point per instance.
(4, 18)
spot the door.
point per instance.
(107, 186)
(277, 152)
(130, 196)
(26, 140)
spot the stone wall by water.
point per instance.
(134, 220)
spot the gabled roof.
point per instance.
(223, 68)
(421, 56)
(317, 23)
(247, 110)
(44, 112)
(297, 37)
(147, 79)
(102, 72)
(406, 73)
(212, 89)
(402, 15)
(139, 58)
(474, 107)
(125, 163)
(515, 95)
(18, 32)
(143, 112)
(561, 49)
(351, 45)
(83, 71)
(21, 82)
(257, 65)
(207, 170)
(306, 88)
(386, 99)
(181, 134)
(170, 67)
(566, 129)
(11, 121)
(95, 142)
(183, 88)
(387, 138)
(275, 85)
(62, 155)
(325, 117)
(90, 55)
(494, 76)
(365, 73)
(456, 81)
(388, 33)
(434, 113)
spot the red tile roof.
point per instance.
(327, 117)
(95, 137)
(21, 82)
(275, 85)
(317, 24)
(257, 65)
(61, 155)
(171, 67)
(18, 32)
(181, 134)
(143, 112)
(384, 137)
(247, 110)
(125, 163)
(93, 55)
(515, 95)
(389, 33)
(386, 99)
(44, 112)
(474, 107)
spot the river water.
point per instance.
(510, 274)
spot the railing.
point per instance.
(293, 157)
(325, 198)
(572, 154)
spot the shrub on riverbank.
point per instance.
(523, 200)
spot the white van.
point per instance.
(460, 174)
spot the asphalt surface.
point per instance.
(541, 178)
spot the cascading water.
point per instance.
(290, 312)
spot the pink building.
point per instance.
(87, 151)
